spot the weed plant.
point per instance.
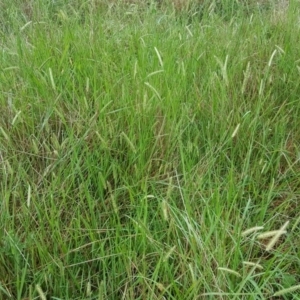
(146, 153)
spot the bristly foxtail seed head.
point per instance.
(269, 234)
(276, 237)
(235, 130)
(165, 210)
(252, 264)
(252, 230)
(230, 271)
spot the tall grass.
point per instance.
(148, 153)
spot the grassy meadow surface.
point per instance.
(149, 152)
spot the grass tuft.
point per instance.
(149, 150)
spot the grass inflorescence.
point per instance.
(149, 150)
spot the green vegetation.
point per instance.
(149, 152)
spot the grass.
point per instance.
(148, 152)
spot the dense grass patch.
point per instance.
(149, 152)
